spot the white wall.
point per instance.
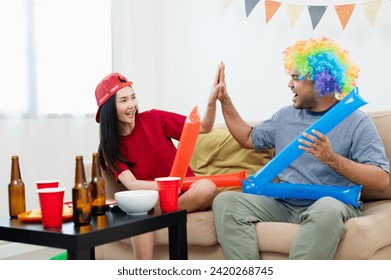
(177, 44)
(171, 48)
(47, 149)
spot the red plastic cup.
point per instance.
(168, 188)
(41, 184)
(51, 201)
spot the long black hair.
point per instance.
(109, 134)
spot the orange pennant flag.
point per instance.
(271, 8)
(344, 13)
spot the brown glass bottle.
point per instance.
(97, 187)
(81, 195)
(16, 192)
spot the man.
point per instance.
(351, 154)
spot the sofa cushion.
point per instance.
(218, 153)
(382, 121)
(201, 231)
(368, 234)
(276, 237)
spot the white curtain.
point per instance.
(52, 56)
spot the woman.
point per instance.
(138, 147)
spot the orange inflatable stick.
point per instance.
(186, 144)
(221, 180)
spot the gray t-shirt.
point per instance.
(355, 138)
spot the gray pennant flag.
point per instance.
(250, 5)
(316, 14)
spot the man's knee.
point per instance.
(329, 204)
(326, 210)
(225, 199)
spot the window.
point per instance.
(55, 54)
(13, 57)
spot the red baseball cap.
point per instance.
(107, 88)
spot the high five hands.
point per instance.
(219, 89)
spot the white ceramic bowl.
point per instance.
(136, 202)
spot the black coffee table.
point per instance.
(81, 241)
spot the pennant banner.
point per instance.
(371, 10)
(344, 12)
(271, 8)
(293, 12)
(316, 12)
(250, 5)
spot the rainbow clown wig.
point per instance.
(322, 61)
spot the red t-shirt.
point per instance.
(149, 147)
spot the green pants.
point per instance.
(321, 224)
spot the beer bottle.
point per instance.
(16, 193)
(81, 196)
(97, 187)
